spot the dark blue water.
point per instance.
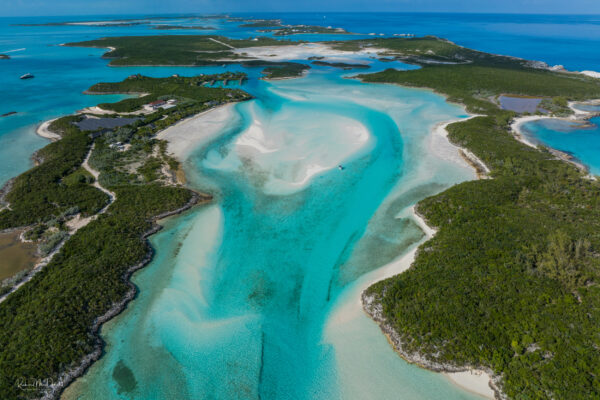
(555, 39)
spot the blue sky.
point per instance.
(79, 7)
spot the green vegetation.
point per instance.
(188, 50)
(46, 324)
(262, 23)
(340, 65)
(79, 176)
(279, 29)
(181, 27)
(190, 93)
(422, 50)
(41, 194)
(473, 84)
(285, 70)
(175, 49)
(511, 280)
(286, 30)
(556, 105)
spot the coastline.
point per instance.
(470, 159)
(481, 381)
(74, 225)
(183, 145)
(184, 137)
(577, 116)
(66, 378)
(44, 131)
(470, 378)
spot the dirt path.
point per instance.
(224, 44)
(76, 224)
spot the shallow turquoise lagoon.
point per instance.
(257, 295)
(582, 141)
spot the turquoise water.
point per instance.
(256, 296)
(580, 140)
(62, 74)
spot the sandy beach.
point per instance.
(577, 116)
(187, 135)
(591, 74)
(305, 51)
(475, 380)
(44, 132)
(517, 125)
(443, 148)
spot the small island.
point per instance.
(188, 50)
(276, 27)
(340, 65)
(182, 27)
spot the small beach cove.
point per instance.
(574, 139)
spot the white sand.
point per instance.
(579, 115)
(475, 381)
(517, 125)
(77, 223)
(288, 153)
(187, 135)
(304, 51)
(44, 132)
(100, 111)
(592, 74)
(443, 148)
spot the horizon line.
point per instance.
(225, 13)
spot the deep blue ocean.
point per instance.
(257, 294)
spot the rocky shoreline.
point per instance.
(66, 378)
(375, 311)
(4, 190)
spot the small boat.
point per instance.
(340, 167)
(27, 76)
